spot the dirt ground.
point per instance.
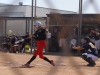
(10, 64)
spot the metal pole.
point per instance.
(80, 22)
(34, 22)
(35, 10)
(31, 24)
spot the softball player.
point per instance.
(40, 37)
(90, 54)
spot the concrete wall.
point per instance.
(12, 11)
(41, 11)
(25, 11)
(17, 26)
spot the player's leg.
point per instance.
(33, 57)
(8, 47)
(23, 46)
(28, 63)
(40, 50)
(90, 59)
(46, 59)
(11, 48)
(19, 48)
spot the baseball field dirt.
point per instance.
(10, 64)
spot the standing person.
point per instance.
(76, 31)
(92, 35)
(95, 34)
(90, 54)
(62, 37)
(97, 40)
(40, 37)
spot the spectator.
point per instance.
(76, 31)
(62, 38)
(7, 42)
(19, 45)
(26, 41)
(97, 41)
(92, 35)
(13, 40)
(73, 42)
(95, 35)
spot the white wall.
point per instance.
(12, 11)
(25, 11)
(17, 26)
(41, 12)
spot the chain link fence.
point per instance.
(60, 25)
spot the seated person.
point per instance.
(13, 40)
(7, 42)
(26, 41)
(19, 44)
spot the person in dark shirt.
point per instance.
(19, 45)
(7, 42)
(26, 41)
(95, 34)
(13, 40)
(91, 54)
(40, 37)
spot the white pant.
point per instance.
(62, 43)
(94, 58)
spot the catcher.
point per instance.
(91, 54)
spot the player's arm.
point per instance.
(78, 48)
(97, 34)
(32, 36)
(90, 33)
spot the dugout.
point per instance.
(18, 25)
(56, 22)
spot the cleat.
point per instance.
(91, 65)
(26, 65)
(52, 63)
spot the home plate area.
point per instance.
(11, 64)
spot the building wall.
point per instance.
(17, 26)
(12, 11)
(25, 11)
(41, 11)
